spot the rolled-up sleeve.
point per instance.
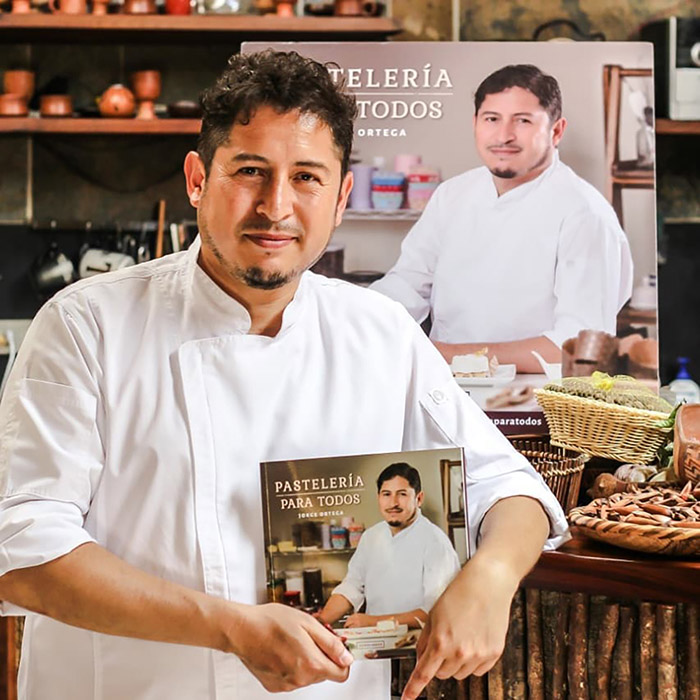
(51, 453)
(445, 416)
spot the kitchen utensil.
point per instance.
(21, 7)
(552, 370)
(161, 228)
(117, 101)
(285, 8)
(56, 105)
(19, 82)
(69, 7)
(140, 7)
(146, 86)
(178, 7)
(13, 106)
(357, 8)
(52, 271)
(96, 261)
(361, 193)
(184, 109)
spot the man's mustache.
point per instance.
(266, 226)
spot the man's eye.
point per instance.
(306, 177)
(523, 120)
(250, 170)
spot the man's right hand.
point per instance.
(285, 648)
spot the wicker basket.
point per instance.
(560, 468)
(602, 429)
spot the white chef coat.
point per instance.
(546, 258)
(397, 573)
(136, 416)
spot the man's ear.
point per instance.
(345, 188)
(195, 177)
(558, 131)
(419, 498)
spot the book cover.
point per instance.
(366, 543)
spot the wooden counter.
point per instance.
(585, 566)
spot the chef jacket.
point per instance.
(397, 573)
(136, 416)
(545, 258)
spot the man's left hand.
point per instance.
(361, 620)
(466, 629)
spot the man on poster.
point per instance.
(143, 401)
(520, 254)
(402, 564)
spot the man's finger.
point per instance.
(425, 670)
(331, 645)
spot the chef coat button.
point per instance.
(438, 396)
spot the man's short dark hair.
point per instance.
(403, 469)
(544, 87)
(284, 81)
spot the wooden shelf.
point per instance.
(598, 569)
(18, 28)
(673, 126)
(60, 125)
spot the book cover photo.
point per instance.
(366, 543)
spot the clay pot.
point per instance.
(56, 106)
(146, 87)
(69, 7)
(357, 8)
(140, 7)
(19, 82)
(117, 101)
(13, 106)
(99, 7)
(21, 7)
(178, 7)
(285, 8)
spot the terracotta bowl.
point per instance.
(13, 106)
(56, 106)
(19, 82)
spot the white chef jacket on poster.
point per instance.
(545, 258)
(137, 415)
(397, 573)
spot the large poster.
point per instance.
(504, 194)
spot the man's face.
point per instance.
(514, 136)
(399, 502)
(270, 202)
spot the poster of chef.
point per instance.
(504, 194)
(366, 543)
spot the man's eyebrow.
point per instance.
(312, 164)
(239, 157)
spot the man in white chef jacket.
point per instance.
(402, 564)
(521, 253)
(143, 402)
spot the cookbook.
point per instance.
(366, 543)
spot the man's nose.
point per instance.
(506, 132)
(276, 199)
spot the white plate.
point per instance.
(504, 375)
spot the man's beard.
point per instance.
(504, 173)
(257, 279)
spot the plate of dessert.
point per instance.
(477, 369)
